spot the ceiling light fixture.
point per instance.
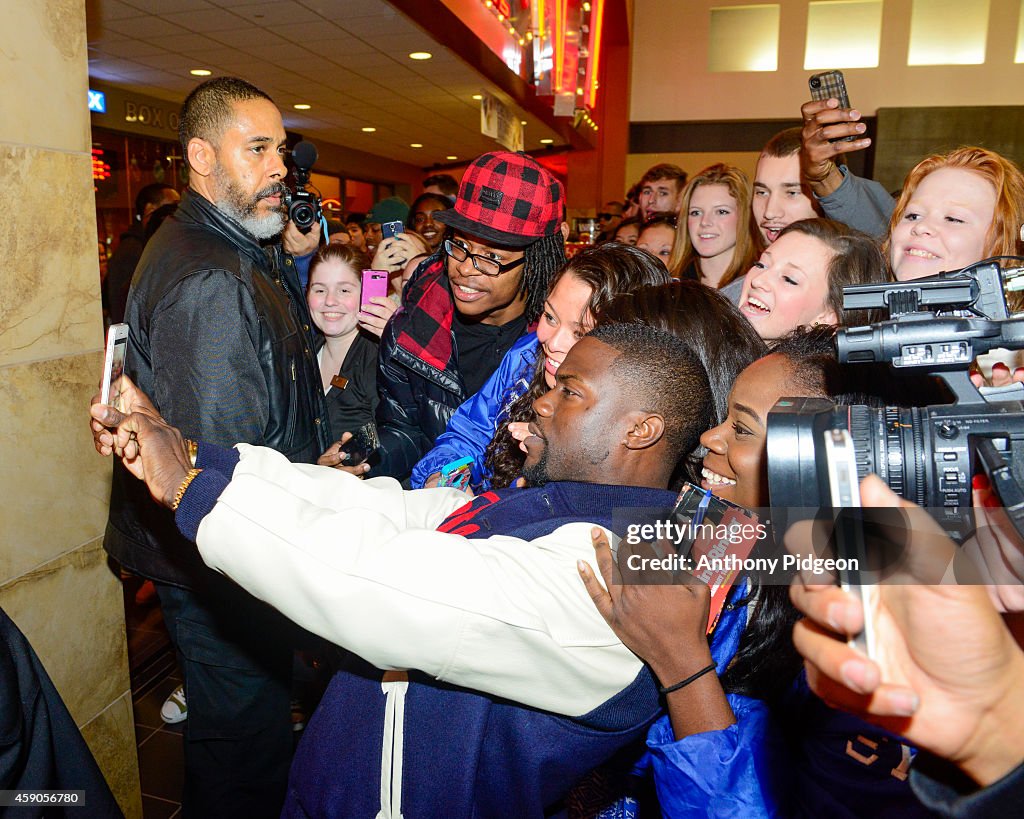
(420, 55)
(451, 158)
(302, 106)
(547, 142)
(369, 129)
(415, 144)
(478, 96)
(200, 72)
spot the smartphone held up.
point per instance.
(113, 365)
(829, 85)
(375, 285)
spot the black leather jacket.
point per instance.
(220, 341)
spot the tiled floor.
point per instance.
(154, 675)
(160, 759)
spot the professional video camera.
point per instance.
(937, 326)
(303, 205)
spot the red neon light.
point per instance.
(503, 7)
(558, 38)
(596, 25)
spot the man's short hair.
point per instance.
(659, 372)
(206, 112)
(444, 182)
(783, 144)
(150, 195)
(664, 170)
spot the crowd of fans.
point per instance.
(528, 682)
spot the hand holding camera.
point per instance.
(949, 676)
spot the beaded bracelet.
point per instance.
(688, 680)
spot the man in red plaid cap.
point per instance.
(468, 303)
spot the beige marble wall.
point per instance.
(54, 579)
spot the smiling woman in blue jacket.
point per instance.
(750, 740)
(579, 291)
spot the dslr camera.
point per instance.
(303, 205)
(937, 326)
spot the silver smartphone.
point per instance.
(854, 574)
(113, 365)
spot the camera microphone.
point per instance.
(304, 156)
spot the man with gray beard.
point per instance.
(220, 338)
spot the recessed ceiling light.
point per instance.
(420, 55)
(478, 96)
(369, 129)
(200, 72)
(547, 142)
(415, 144)
(302, 106)
(522, 122)
(451, 158)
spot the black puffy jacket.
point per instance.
(418, 375)
(220, 341)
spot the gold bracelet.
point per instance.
(193, 451)
(824, 176)
(191, 476)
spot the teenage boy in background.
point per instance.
(661, 190)
(779, 196)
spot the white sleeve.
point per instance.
(360, 564)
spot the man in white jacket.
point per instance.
(483, 596)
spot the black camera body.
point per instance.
(303, 205)
(928, 455)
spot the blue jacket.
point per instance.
(448, 751)
(804, 759)
(474, 423)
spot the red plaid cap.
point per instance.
(508, 199)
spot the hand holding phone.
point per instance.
(830, 129)
(457, 473)
(362, 447)
(113, 365)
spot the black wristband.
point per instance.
(688, 680)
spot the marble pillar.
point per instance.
(54, 579)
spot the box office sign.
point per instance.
(133, 113)
(150, 116)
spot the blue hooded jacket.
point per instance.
(476, 420)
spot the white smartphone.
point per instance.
(855, 576)
(113, 365)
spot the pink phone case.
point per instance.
(375, 283)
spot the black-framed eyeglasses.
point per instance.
(489, 267)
